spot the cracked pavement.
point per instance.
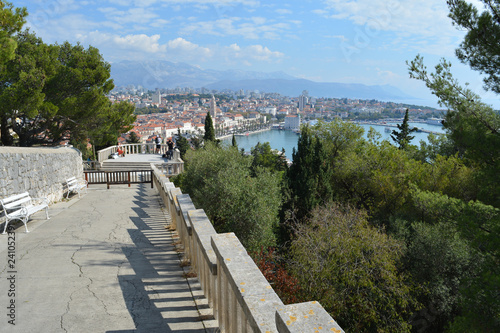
(102, 263)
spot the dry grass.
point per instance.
(185, 262)
(190, 274)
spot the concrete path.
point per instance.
(102, 263)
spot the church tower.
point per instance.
(213, 107)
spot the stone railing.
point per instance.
(135, 148)
(171, 168)
(236, 290)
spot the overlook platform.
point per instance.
(138, 157)
(134, 162)
(101, 263)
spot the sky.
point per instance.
(347, 41)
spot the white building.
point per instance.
(269, 110)
(213, 107)
(157, 98)
(292, 122)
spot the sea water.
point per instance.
(279, 139)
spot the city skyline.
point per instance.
(359, 41)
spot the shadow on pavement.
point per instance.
(157, 295)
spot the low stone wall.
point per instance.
(236, 290)
(40, 171)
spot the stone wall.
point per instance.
(241, 298)
(40, 171)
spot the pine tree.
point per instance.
(133, 138)
(403, 137)
(182, 143)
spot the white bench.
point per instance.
(74, 185)
(21, 207)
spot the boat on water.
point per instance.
(434, 121)
(387, 130)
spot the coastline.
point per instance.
(240, 134)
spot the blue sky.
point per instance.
(349, 41)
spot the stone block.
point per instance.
(305, 317)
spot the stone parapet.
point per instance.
(240, 296)
(39, 171)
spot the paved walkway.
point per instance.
(133, 158)
(102, 263)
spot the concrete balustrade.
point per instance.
(241, 297)
(135, 148)
(204, 260)
(184, 228)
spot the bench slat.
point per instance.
(20, 207)
(14, 198)
(14, 204)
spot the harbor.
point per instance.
(391, 125)
(286, 139)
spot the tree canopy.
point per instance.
(11, 22)
(51, 93)
(481, 45)
(219, 180)
(351, 269)
(473, 133)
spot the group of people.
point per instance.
(158, 140)
(170, 144)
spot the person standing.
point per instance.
(158, 144)
(170, 152)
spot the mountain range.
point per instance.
(164, 74)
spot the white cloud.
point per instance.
(387, 76)
(141, 46)
(252, 53)
(422, 26)
(136, 15)
(284, 11)
(234, 47)
(181, 46)
(424, 17)
(145, 3)
(132, 43)
(321, 12)
(249, 28)
(60, 29)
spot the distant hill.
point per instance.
(165, 74)
(295, 87)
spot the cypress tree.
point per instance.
(209, 129)
(233, 142)
(309, 175)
